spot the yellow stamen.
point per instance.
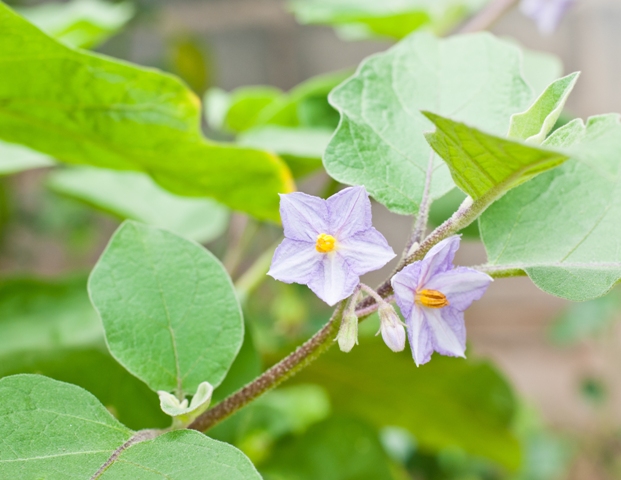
(431, 299)
(325, 243)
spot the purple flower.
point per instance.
(433, 295)
(546, 13)
(328, 243)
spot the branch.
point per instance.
(273, 377)
(488, 16)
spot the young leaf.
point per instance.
(53, 429)
(441, 404)
(80, 23)
(182, 455)
(85, 108)
(482, 164)
(168, 308)
(380, 142)
(133, 195)
(563, 228)
(533, 125)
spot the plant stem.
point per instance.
(488, 16)
(273, 377)
(501, 271)
(420, 225)
(255, 274)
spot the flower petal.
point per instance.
(419, 336)
(449, 330)
(295, 261)
(350, 212)
(439, 259)
(546, 13)
(333, 280)
(404, 285)
(366, 251)
(462, 286)
(303, 216)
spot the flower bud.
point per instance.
(391, 328)
(348, 333)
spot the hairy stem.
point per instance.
(273, 377)
(488, 16)
(420, 224)
(501, 271)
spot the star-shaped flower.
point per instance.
(328, 243)
(546, 13)
(433, 295)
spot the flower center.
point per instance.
(325, 243)
(431, 299)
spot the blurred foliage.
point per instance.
(135, 196)
(80, 23)
(586, 320)
(363, 19)
(441, 404)
(16, 158)
(189, 59)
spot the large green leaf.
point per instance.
(563, 227)
(168, 307)
(181, 455)
(534, 125)
(449, 402)
(80, 23)
(133, 195)
(52, 329)
(336, 449)
(83, 108)
(388, 18)
(16, 158)
(53, 430)
(57, 431)
(482, 164)
(380, 143)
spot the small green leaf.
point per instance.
(533, 125)
(563, 228)
(337, 449)
(168, 308)
(380, 142)
(441, 403)
(88, 109)
(80, 23)
(181, 455)
(302, 148)
(133, 195)
(53, 430)
(482, 164)
(184, 411)
(246, 105)
(16, 158)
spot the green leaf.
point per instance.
(482, 164)
(16, 158)
(53, 430)
(302, 148)
(80, 23)
(336, 449)
(534, 125)
(52, 329)
(168, 308)
(562, 228)
(84, 108)
(181, 455)
(246, 105)
(133, 195)
(442, 403)
(389, 18)
(380, 142)
(56, 431)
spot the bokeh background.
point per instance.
(562, 360)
